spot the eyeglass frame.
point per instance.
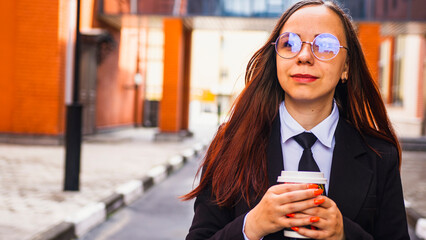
(310, 43)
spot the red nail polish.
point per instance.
(318, 201)
(314, 219)
(312, 186)
(290, 215)
(318, 192)
(295, 229)
(314, 228)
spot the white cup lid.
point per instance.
(302, 177)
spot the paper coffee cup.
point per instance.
(301, 177)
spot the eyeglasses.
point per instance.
(324, 47)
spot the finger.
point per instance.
(328, 203)
(312, 204)
(319, 223)
(315, 211)
(319, 201)
(318, 209)
(287, 187)
(312, 233)
(312, 219)
(299, 205)
(295, 222)
(298, 215)
(297, 195)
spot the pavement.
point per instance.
(116, 169)
(413, 176)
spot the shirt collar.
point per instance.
(324, 131)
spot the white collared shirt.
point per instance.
(322, 150)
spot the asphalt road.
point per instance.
(158, 214)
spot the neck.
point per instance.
(308, 115)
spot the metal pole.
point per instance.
(74, 122)
(137, 75)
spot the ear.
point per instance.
(345, 72)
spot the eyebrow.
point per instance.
(298, 34)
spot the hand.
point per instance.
(270, 214)
(327, 218)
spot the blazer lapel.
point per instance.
(274, 153)
(350, 176)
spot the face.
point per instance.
(304, 77)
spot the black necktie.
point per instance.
(307, 161)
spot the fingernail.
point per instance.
(295, 229)
(312, 186)
(318, 192)
(290, 215)
(313, 228)
(314, 219)
(318, 201)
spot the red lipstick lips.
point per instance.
(304, 78)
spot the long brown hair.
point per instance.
(234, 167)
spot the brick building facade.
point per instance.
(36, 62)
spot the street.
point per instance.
(159, 214)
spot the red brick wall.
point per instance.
(32, 65)
(116, 7)
(32, 82)
(7, 47)
(115, 92)
(369, 36)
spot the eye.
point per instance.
(290, 42)
(327, 43)
(287, 44)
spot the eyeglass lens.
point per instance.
(325, 46)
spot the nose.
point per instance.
(305, 55)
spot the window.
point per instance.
(391, 65)
(397, 83)
(385, 67)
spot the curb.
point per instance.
(417, 144)
(94, 214)
(416, 221)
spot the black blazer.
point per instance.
(365, 186)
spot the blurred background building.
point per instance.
(153, 63)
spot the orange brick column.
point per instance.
(369, 36)
(8, 42)
(32, 68)
(174, 103)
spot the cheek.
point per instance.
(334, 79)
(340, 66)
(335, 72)
(281, 69)
(281, 74)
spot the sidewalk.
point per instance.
(31, 177)
(413, 175)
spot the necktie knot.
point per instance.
(305, 139)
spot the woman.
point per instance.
(310, 76)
